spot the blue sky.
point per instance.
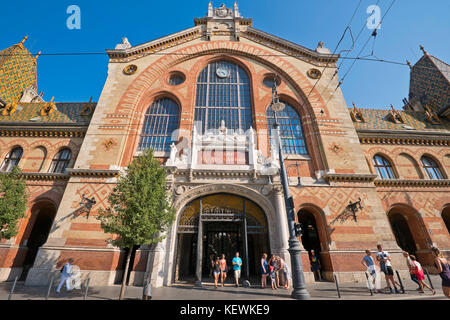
(408, 24)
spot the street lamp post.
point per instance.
(299, 286)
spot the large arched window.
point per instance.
(291, 131)
(161, 120)
(61, 161)
(383, 167)
(223, 93)
(432, 168)
(12, 159)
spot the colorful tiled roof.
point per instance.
(429, 82)
(17, 72)
(65, 113)
(380, 119)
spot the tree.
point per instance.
(139, 209)
(13, 202)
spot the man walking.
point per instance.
(385, 265)
(66, 272)
(237, 263)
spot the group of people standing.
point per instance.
(219, 269)
(415, 268)
(274, 268)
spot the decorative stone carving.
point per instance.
(124, 45)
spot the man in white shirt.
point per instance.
(66, 272)
(385, 265)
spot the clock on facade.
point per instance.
(223, 72)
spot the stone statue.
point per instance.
(173, 152)
(124, 45)
(223, 128)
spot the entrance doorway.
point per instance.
(43, 214)
(402, 233)
(410, 233)
(223, 220)
(446, 217)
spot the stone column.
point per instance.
(282, 233)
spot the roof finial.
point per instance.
(392, 107)
(423, 49)
(37, 56)
(354, 107)
(24, 39)
(408, 63)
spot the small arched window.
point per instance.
(12, 159)
(383, 167)
(61, 161)
(291, 130)
(432, 168)
(161, 120)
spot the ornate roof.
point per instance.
(381, 119)
(17, 72)
(430, 82)
(63, 113)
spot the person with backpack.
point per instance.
(66, 272)
(416, 268)
(384, 259)
(443, 268)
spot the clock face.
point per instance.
(223, 72)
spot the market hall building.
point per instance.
(201, 98)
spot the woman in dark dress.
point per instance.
(443, 268)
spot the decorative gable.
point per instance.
(356, 114)
(396, 116)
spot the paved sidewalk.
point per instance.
(318, 291)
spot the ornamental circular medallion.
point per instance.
(130, 69)
(223, 72)
(314, 73)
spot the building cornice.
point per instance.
(402, 137)
(348, 177)
(133, 53)
(288, 47)
(93, 173)
(412, 183)
(21, 130)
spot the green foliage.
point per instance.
(13, 202)
(139, 208)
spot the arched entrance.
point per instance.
(220, 223)
(446, 217)
(314, 237)
(42, 215)
(410, 232)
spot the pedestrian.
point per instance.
(367, 261)
(286, 273)
(273, 280)
(410, 265)
(273, 270)
(384, 259)
(277, 268)
(264, 270)
(443, 268)
(418, 271)
(216, 271)
(237, 264)
(223, 269)
(66, 272)
(315, 265)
